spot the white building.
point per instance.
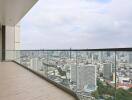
(124, 79)
(86, 78)
(73, 69)
(34, 63)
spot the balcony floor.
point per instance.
(17, 83)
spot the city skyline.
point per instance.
(87, 72)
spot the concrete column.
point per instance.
(9, 41)
(12, 41)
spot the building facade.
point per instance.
(107, 71)
(86, 78)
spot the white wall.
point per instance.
(13, 37)
(17, 37)
(9, 42)
(12, 41)
(10, 38)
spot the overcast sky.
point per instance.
(59, 24)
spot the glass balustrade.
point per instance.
(92, 75)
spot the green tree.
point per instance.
(130, 89)
(122, 94)
(95, 94)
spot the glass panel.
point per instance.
(96, 75)
(124, 76)
(59, 67)
(105, 75)
(9, 55)
(25, 58)
(73, 70)
(42, 63)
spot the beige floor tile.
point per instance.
(17, 83)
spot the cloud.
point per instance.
(78, 24)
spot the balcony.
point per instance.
(17, 83)
(92, 74)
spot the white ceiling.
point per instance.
(11, 11)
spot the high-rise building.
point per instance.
(107, 71)
(86, 78)
(73, 73)
(130, 58)
(34, 63)
(101, 56)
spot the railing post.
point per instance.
(47, 63)
(115, 74)
(76, 72)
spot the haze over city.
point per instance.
(62, 24)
